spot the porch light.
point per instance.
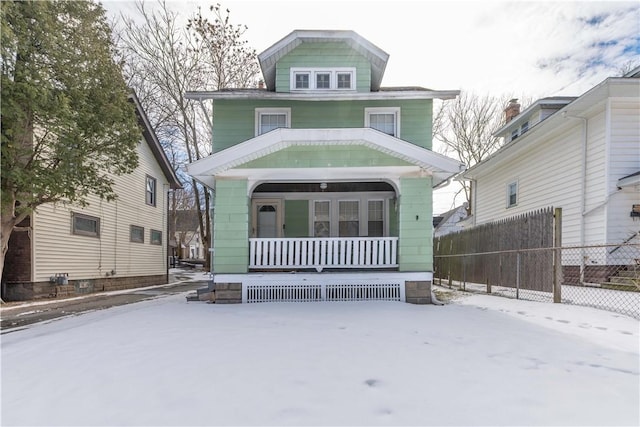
(323, 186)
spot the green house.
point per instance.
(323, 179)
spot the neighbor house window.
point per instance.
(321, 219)
(376, 218)
(268, 119)
(85, 225)
(136, 234)
(385, 120)
(524, 127)
(348, 219)
(150, 191)
(512, 194)
(514, 134)
(323, 78)
(156, 237)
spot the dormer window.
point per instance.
(322, 79)
(514, 134)
(301, 80)
(524, 127)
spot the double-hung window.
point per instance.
(348, 218)
(268, 119)
(150, 191)
(512, 194)
(386, 120)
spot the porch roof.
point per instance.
(441, 167)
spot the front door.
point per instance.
(266, 218)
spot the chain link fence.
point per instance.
(601, 276)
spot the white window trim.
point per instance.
(333, 86)
(260, 111)
(382, 110)
(363, 211)
(509, 184)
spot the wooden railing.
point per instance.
(320, 253)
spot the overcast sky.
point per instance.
(528, 49)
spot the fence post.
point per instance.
(518, 275)
(557, 255)
(464, 273)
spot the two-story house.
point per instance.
(67, 250)
(581, 154)
(325, 174)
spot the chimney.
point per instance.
(260, 84)
(512, 110)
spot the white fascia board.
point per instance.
(279, 139)
(325, 95)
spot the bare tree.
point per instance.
(164, 59)
(465, 126)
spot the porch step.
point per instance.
(629, 287)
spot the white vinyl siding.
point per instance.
(549, 172)
(58, 250)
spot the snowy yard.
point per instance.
(480, 360)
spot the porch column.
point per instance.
(415, 246)
(231, 227)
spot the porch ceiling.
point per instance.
(204, 170)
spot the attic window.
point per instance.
(514, 134)
(323, 78)
(524, 127)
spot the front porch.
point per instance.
(321, 253)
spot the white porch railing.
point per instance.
(320, 253)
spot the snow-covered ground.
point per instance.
(480, 360)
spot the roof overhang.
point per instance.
(629, 181)
(581, 107)
(324, 96)
(376, 56)
(440, 167)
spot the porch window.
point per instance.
(321, 219)
(268, 119)
(383, 119)
(348, 219)
(376, 218)
(512, 194)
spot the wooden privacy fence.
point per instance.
(503, 253)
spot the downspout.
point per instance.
(583, 190)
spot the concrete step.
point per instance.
(620, 287)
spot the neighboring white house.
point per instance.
(581, 155)
(450, 221)
(69, 250)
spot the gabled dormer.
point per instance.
(518, 123)
(321, 61)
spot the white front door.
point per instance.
(266, 218)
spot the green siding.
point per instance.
(415, 234)
(231, 227)
(234, 120)
(325, 156)
(296, 218)
(324, 54)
